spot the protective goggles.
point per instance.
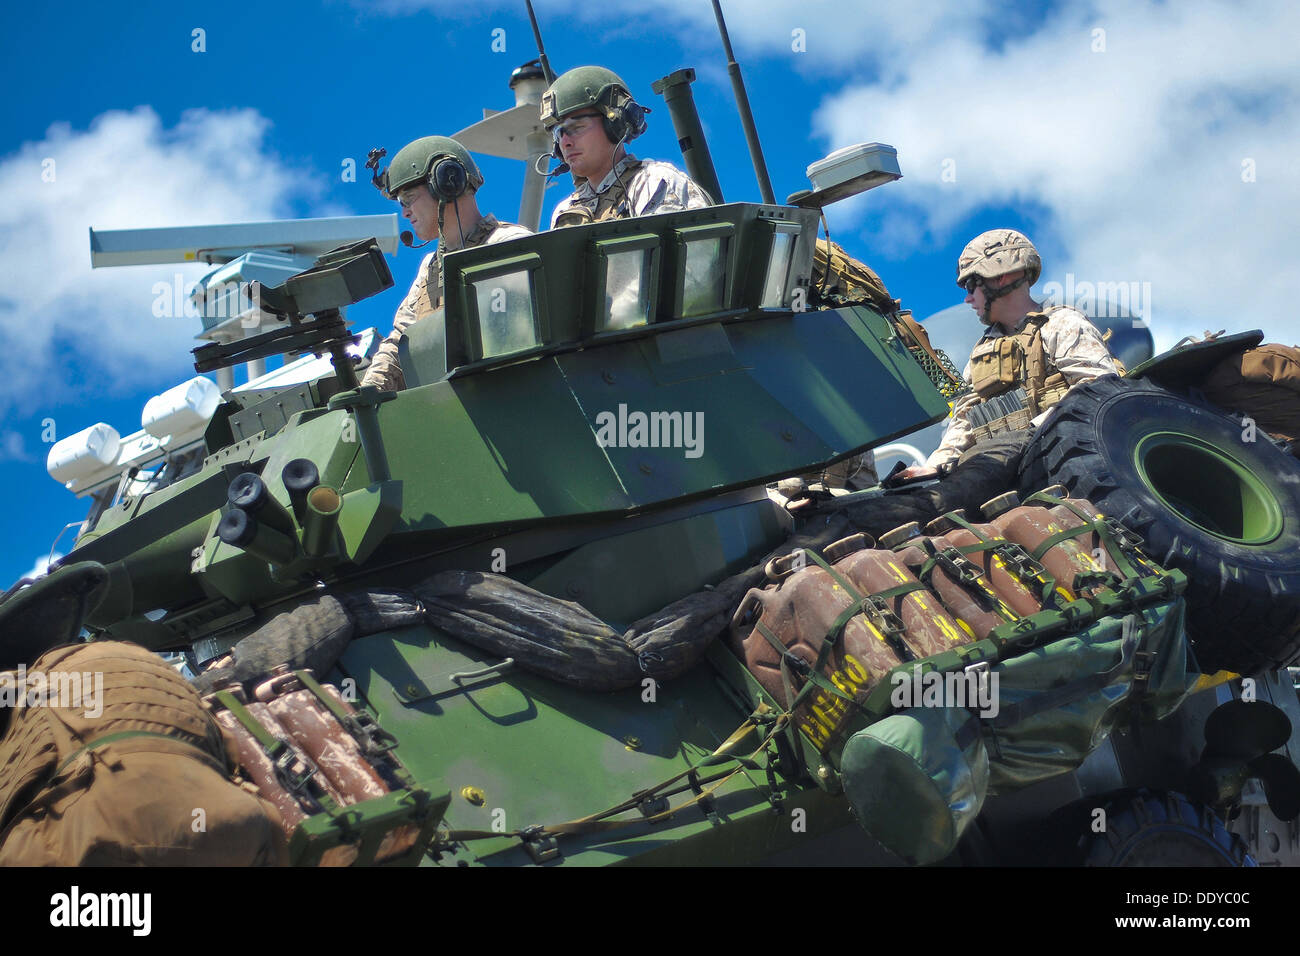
(574, 126)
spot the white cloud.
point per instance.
(13, 447)
(1129, 162)
(1125, 163)
(838, 35)
(125, 171)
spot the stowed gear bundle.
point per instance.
(978, 658)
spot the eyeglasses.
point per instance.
(574, 126)
(409, 199)
(971, 284)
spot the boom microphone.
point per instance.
(408, 240)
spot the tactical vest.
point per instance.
(1005, 363)
(601, 207)
(1000, 364)
(430, 297)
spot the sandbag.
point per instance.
(557, 639)
(313, 635)
(986, 469)
(564, 641)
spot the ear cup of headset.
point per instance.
(628, 124)
(448, 180)
(634, 117)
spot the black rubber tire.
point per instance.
(1243, 598)
(1162, 829)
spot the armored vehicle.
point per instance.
(529, 587)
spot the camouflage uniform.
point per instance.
(384, 371)
(632, 188)
(1072, 347)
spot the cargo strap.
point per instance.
(598, 822)
(282, 754)
(1010, 714)
(811, 673)
(874, 607)
(373, 739)
(1120, 543)
(966, 574)
(1019, 563)
(879, 615)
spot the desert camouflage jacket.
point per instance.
(384, 371)
(632, 188)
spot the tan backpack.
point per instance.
(1264, 384)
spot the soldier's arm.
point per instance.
(958, 437)
(662, 188)
(1076, 348)
(560, 209)
(507, 231)
(385, 373)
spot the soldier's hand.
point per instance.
(915, 473)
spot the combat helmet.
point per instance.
(594, 87)
(426, 160)
(996, 253)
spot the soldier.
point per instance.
(591, 115)
(435, 180)
(1027, 358)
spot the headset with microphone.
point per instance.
(623, 122)
(447, 181)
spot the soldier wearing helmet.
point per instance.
(1027, 359)
(591, 116)
(436, 181)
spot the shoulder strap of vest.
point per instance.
(1036, 364)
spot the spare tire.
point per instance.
(1206, 498)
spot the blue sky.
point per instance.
(1139, 143)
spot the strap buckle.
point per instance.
(1143, 664)
(967, 574)
(877, 611)
(283, 758)
(797, 663)
(540, 847)
(1124, 538)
